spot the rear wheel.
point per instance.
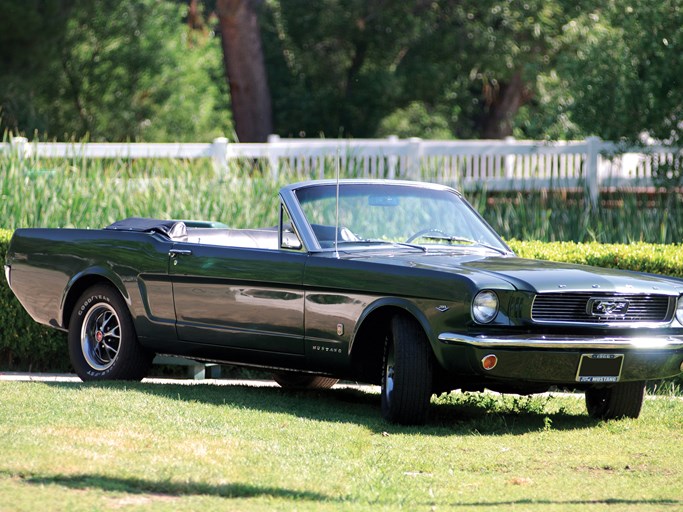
(622, 400)
(406, 373)
(294, 380)
(102, 340)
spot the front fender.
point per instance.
(409, 306)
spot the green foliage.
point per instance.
(113, 71)
(555, 215)
(356, 67)
(330, 63)
(624, 76)
(95, 193)
(416, 120)
(134, 70)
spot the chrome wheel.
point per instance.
(101, 337)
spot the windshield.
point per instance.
(371, 213)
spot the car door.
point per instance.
(239, 297)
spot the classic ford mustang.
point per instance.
(396, 283)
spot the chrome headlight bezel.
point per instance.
(485, 306)
(679, 309)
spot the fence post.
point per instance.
(510, 160)
(592, 178)
(414, 158)
(273, 156)
(392, 158)
(219, 153)
(20, 147)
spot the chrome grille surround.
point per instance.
(603, 308)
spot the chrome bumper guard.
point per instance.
(566, 342)
(7, 275)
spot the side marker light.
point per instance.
(489, 362)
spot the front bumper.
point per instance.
(566, 342)
(555, 359)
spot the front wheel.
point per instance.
(622, 400)
(406, 373)
(102, 340)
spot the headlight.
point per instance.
(679, 309)
(485, 307)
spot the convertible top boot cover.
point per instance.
(173, 229)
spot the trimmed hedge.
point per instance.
(649, 258)
(28, 346)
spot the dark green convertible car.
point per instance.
(396, 283)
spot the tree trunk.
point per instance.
(245, 69)
(503, 102)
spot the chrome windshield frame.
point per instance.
(288, 195)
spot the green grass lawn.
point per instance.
(122, 446)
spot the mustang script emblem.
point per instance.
(607, 307)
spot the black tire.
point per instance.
(622, 400)
(406, 373)
(103, 344)
(294, 380)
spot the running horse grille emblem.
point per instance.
(607, 307)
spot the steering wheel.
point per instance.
(423, 232)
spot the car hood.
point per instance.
(534, 276)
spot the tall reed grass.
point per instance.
(624, 216)
(93, 193)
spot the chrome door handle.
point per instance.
(177, 252)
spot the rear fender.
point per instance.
(84, 280)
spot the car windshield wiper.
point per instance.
(384, 242)
(464, 240)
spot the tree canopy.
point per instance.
(156, 70)
(129, 70)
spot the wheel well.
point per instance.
(368, 346)
(77, 290)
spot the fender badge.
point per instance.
(340, 329)
(443, 308)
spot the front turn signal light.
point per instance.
(489, 362)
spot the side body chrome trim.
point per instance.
(566, 342)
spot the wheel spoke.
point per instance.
(111, 351)
(105, 320)
(112, 333)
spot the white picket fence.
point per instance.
(500, 165)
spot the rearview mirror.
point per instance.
(383, 201)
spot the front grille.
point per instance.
(600, 308)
